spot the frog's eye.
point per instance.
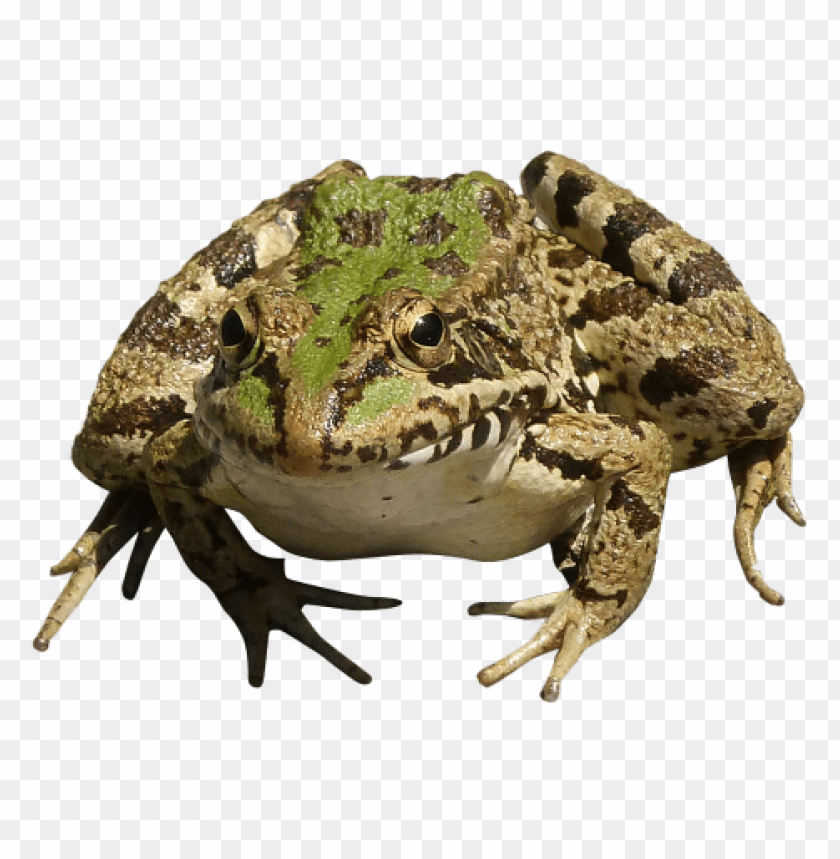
(428, 330)
(422, 334)
(239, 337)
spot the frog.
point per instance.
(378, 367)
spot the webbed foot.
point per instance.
(268, 600)
(760, 472)
(252, 588)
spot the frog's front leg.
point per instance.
(623, 465)
(252, 589)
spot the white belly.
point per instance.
(474, 507)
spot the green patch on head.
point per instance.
(252, 394)
(380, 395)
(381, 258)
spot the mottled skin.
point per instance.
(368, 367)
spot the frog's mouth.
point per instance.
(495, 429)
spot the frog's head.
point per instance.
(382, 342)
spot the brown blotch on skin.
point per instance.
(461, 369)
(276, 400)
(640, 518)
(231, 257)
(481, 432)
(569, 467)
(138, 417)
(160, 325)
(535, 172)
(623, 227)
(299, 197)
(320, 262)
(699, 453)
(492, 208)
(362, 229)
(375, 368)
(686, 374)
(571, 189)
(297, 200)
(438, 404)
(565, 556)
(173, 515)
(627, 298)
(433, 230)
(415, 185)
(425, 430)
(195, 474)
(450, 264)
(700, 275)
(585, 593)
(761, 411)
(329, 449)
(627, 423)
(566, 259)
(367, 454)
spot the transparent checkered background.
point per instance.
(133, 134)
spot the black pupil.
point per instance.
(233, 331)
(428, 330)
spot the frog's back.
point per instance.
(671, 330)
(146, 386)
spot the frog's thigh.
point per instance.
(626, 464)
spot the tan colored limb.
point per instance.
(87, 542)
(121, 517)
(629, 465)
(760, 472)
(530, 609)
(781, 455)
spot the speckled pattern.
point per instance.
(369, 367)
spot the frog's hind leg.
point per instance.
(123, 514)
(760, 472)
(252, 588)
